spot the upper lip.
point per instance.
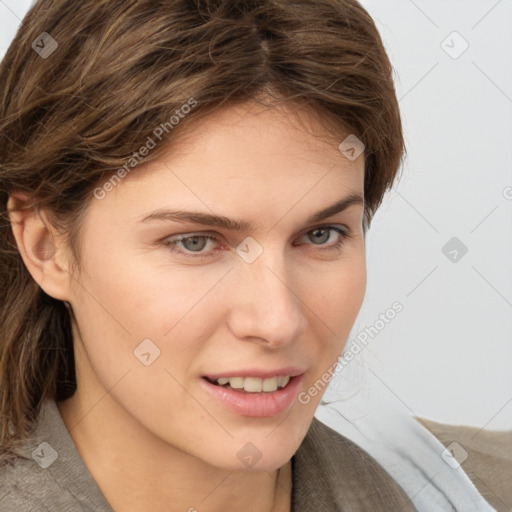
(289, 371)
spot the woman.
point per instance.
(185, 192)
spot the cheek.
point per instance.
(134, 299)
(141, 297)
(338, 301)
(123, 304)
(335, 307)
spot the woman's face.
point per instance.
(160, 320)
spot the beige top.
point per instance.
(489, 461)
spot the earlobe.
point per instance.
(36, 241)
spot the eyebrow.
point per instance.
(226, 223)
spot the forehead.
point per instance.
(245, 156)
(285, 129)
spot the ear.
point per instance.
(38, 243)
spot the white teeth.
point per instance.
(282, 381)
(236, 382)
(255, 384)
(270, 384)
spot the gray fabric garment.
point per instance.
(330, 473)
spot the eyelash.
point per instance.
(173, 244)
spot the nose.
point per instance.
(267, 305)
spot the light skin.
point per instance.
(150, 436)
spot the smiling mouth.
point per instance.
(251, 384)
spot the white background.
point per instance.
(448, 355)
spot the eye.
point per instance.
(323, 233)
(192, 245)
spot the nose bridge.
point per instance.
(266, 306)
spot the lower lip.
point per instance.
(255, 404)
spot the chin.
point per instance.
(251, 459)
(260, 449)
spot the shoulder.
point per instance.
(25, 486)
(48, 473)
(484, 455)
(334, 472)
(22, 486)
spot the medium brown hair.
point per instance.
(71, 119)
